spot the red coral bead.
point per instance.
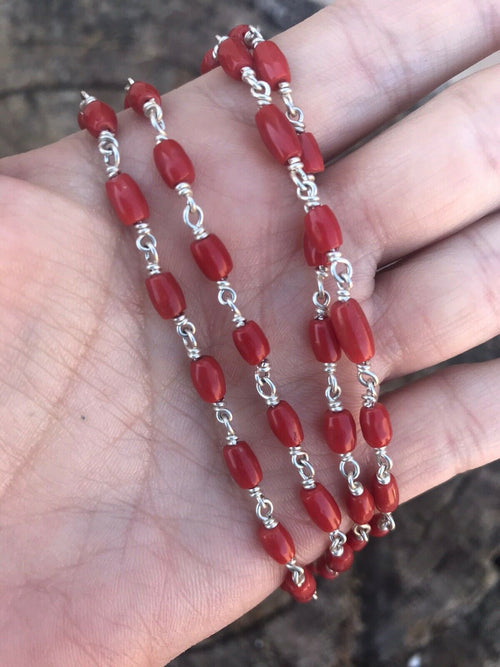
(98, 117)
(251, 342)
(322, 228)
(243, 465)
(311, 155)
(376, 425)
(173, 163)
(239, 32)
(208, 379)
(277, 542)
(209, 62)
(340, 431)
(138, 94)
(312, 256)
(324, 343)
(376, 530)
(321, 507)
(233, 56)
(270, 64)
(356, 543)
(285, 424)
(127, 199)
(340, 563)
(166, 295)
(386, 496)
(353, 331)
(212, 257)
(303, 593)
(323, 570)
(277, 133)
(360, 508)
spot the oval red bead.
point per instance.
(322, 228)
(360, 508)
(239, 32)
(251, 343)
(303, 593)
(139, 93)
(312, 256)
(322, 569)
(233, 56)
(340, 431)
(376, 425)
(285, 424)
(127, 199)
(243, 465)
(386, 496)
(354, 542)
(376, 530)
(173, 163)
(270, 64)
(340, 563)
(321, 507)
(277, 133)
(212, 257)
(324, 343)
(166, 295)
(311, 155)
(277, 542)
(98, 117)
(209, 62)
(208, 379)
(353, 331)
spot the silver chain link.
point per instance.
(147, 244)
(154, 112)
(333, 392)
(224, 416)
(349, 468)
(306, 188)
(370, 382)
(337, 541)
(264, 508)
(321, 298)
(109, 149)
(294, 113)
(186, 330)
(384, 463)
(266, 388)
(227, 297)
(300, 460)
(261, 90)
(342, 271)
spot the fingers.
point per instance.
(358, 63)
(440, 302)
(428, 176)
(444, 425)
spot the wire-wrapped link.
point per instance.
(384, 463)
(109, 149)
(370, 381)
(253, 36)
(298, 574)
(186, 330)
(337, 541)
(321, 298)
(356, 488)
(343, 278)
(261, 90)
(227, 297)
(386, 522)
(266, 388)
(362, 531)
(306, 188)
(146, 243)
(264, 508)
(294, 113)
(224, 416)
(154, 112)
(300, 460)
(333, 392)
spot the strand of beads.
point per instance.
(246, 56)
(207, 376)
(214, 260)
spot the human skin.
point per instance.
(124, 540)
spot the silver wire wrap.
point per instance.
(224, 416)
(300, 460)
(384, 463)
(261, 90)
(352, 474)
(298, 574)
(191, 209)
(265, 387)
(370, 382)
(294, 113)
(321, 298)
(306, 188)
(333, 392)
(337, 541)
(186, 330)
(109, 149)
(147, 244)
(342, 271)
(227, 297)
(154, 112)
(263, 508)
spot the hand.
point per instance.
(124, 541)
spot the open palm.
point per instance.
(124, 541)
